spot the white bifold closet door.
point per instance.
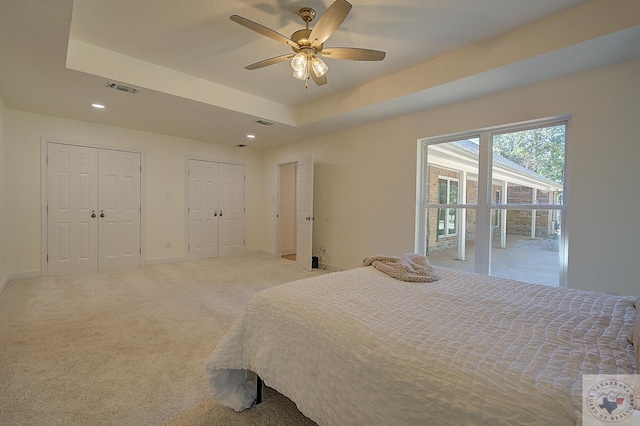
(93, 209)
(216, 209)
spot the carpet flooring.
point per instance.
(128, 346)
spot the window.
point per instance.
(492, 202)
(447, 218)
(496, 217)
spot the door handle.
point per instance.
(215, 213)
(101, 213)
(220, 213)
(93, 214)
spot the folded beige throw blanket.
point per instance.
(409, 267)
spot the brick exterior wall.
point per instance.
(518, 222)
(436, 242)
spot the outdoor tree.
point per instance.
(539, 150)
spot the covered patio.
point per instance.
(525, 259)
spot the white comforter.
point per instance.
(358, 347)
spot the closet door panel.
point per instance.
(203, 210)
(232, 205)
(119, 205)
(72, 199)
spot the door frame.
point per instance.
(44, 191)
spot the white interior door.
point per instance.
(93, 209)
(72, 200)
(304, 212)
(119, 204)
(203, 209)
(231, 209)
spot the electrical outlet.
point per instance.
(323, 249)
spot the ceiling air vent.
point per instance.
(122, 87)
(264, 122)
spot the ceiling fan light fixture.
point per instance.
(308, 42)
(319, 67)
(300, 74)
(299, 62)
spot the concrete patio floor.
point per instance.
(525, 259)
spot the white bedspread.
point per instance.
(358, 347)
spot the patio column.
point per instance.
(552, 200)
(533, 214)
(503, 216)
(462, 217)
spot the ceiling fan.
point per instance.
(307, 44)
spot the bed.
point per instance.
(360, 347)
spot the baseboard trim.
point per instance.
(165, 260)
(265, 252)
(17, 276)
(27, 274)
(3, 284)
(332, 268)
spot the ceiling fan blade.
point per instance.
(329, 22)
(353, 54)
(261, 29)
(270, 61)
(320, 81)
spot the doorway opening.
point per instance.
(287, 189)
(295, 211)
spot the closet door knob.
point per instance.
(216, 213)
(220, 213)
(93, 214)
(101, 213)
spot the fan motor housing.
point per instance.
(302, 38)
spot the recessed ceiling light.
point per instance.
(98, 106)
(251, 136)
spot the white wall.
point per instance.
(164, 161)
(4, 271)
(365, 178)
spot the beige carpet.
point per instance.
(128, 347)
